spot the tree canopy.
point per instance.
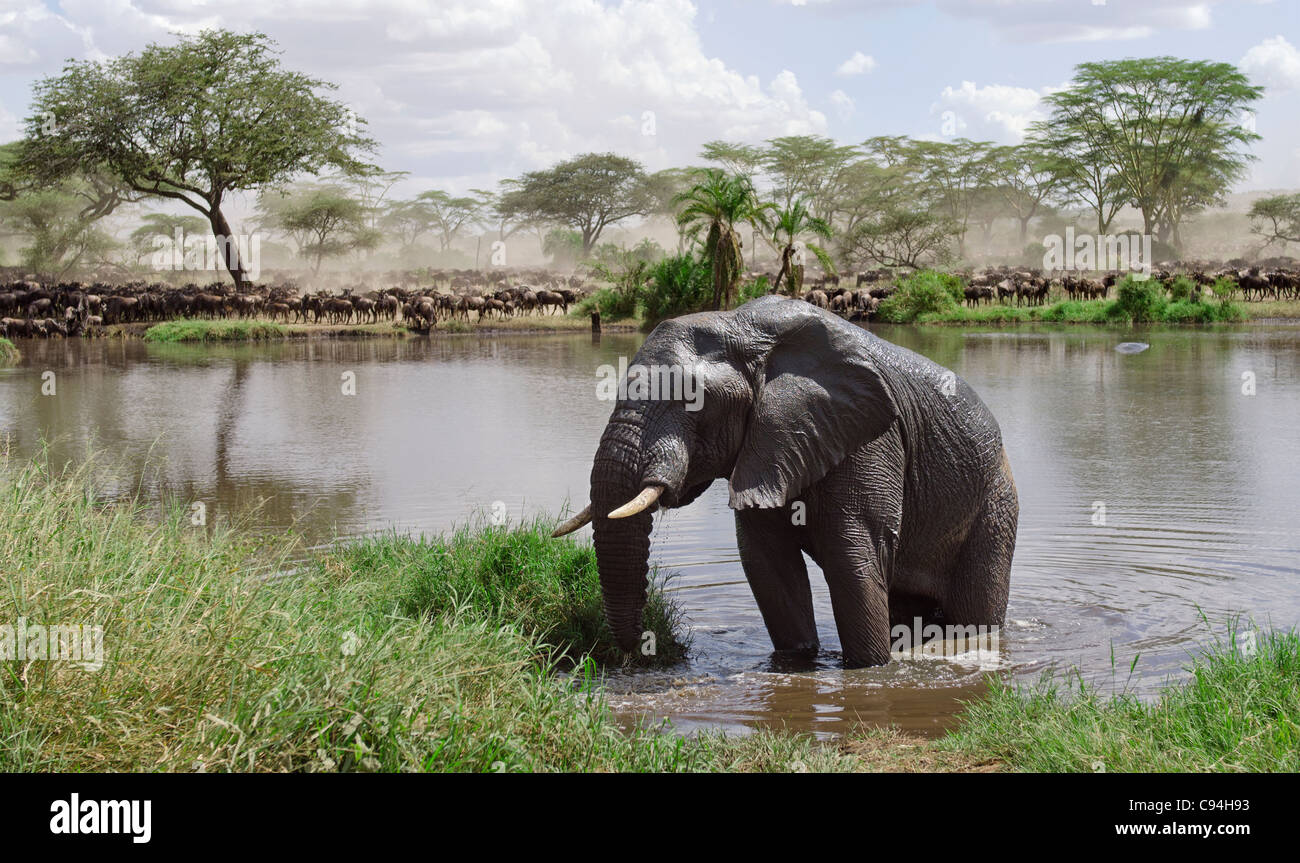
(193, 121)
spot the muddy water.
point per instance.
(1198, 480)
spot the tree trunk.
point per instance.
(227, 245)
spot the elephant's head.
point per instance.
(777, 393)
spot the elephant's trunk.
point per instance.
(623, 466)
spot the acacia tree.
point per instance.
(195, 121)
(1168, 129)
(1083, 175)
(448, 214)
(587, 193)
(57, 218)
(809, 168)
(1024, 179)
(740, 159)
(324, 221)
(1277, 219)
(899, 237)
(716, 206)
(59, 234)
(144, 239)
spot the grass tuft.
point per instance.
(188, 330)
(1238, 712)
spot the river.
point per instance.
(1158, 489)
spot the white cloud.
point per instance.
(843, 104)
(994, 112)
(462, 89)
(1047, 21)
(1275, 63)
(858, 64)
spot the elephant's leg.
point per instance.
(977, 587)
(855, 518)
(773, 561)
(860, 600)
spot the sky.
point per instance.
(463, 93)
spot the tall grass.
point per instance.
(391, 655)
(512, 575)
(8, 353)
(474, 652)
(1239, 711)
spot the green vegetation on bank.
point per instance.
(390, 655)
(8, 353)
(932, 297)
(650, 293)
(474, 652)
(517, 577)
(189, 330)
(1239, 711)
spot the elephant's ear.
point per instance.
(818, 397)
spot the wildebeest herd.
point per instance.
(32, 309)
(1276, 279)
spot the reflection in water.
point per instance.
(1152, 487)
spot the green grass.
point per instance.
(931, 297)
(515, 576)
(479, 651)
(362, 659)
(1089, 312)
(1239, 711)
(188, 330)
(9, 354)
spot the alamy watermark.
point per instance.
(76, 642)
(917, 639)
(1098, 252)
(189, 252)
(650, 383)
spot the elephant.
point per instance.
(886, 468)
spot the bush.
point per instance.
(924, 293)
(676, 286)
(1139, 300)
(612, 303)
(1182, 289)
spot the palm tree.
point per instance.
(718, 204)
(789, 224)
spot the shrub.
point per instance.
(677, 286)
(1182, 289)
(1223, 288)
(924, 293)
(612, 303)
(1139, 300)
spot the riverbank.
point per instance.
(189, 330)
(9, 354)
(480, 651)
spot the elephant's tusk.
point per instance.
(640, 503)
(573, 524)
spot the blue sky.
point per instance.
(465, 92)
